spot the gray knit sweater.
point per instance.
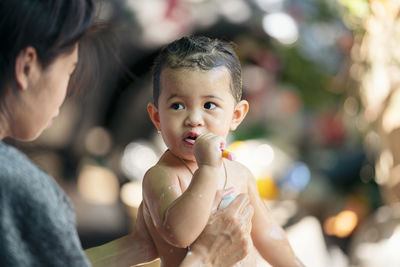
(37, 220)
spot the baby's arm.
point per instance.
(180, 218)
(268, 237)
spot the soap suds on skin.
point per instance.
(276, 233)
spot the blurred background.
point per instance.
(322, 136)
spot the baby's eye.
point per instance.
(209, 105)
(176, 106)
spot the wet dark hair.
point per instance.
(198, 52)
(52, 27)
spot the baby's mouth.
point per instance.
(190, 139)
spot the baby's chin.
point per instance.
(188, 157)
(185, 155)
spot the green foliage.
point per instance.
(308, 78)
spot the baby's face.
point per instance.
(194, 102)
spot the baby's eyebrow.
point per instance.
(213, 96)
(172, 96)
(204, 97)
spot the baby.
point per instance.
(197, 91)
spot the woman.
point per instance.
(38, 54)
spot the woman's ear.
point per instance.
(154, 115)
(239, 114)
(25, 66)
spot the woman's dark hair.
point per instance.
(198, 52)
(52, 27)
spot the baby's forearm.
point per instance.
(268, 236)
(278, 252)
(187, 216)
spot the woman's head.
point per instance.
(38, 54)
(198, 52)
(52, 27)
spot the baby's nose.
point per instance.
(194, 119)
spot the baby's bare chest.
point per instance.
(229, 179)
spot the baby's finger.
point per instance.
(215, 139)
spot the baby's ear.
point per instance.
(154, 115)
(239, 114)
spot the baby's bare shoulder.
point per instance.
(160, 172)
(237, 168)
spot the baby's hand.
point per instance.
(207, 149)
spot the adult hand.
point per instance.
(226, 238)
(132, 249)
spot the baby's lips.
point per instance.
(190, 137)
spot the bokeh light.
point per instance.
(382, 253)
(264, 155)
(98, 185)
(137, 158)
(98, 141)
(297, 178)
(262, 158)
(282, 27)
(267, 188)
(131, 194)
(351, 106)
(236, 11)
(270, 5)
(341, 225)
(345, 222)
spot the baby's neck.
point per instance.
(191, 165)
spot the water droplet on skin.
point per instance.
(162, 196)
(189, 253)
(200, 196)
(276, 233)
(171, 250)
(169, 187)
(190, 194)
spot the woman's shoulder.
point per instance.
(20, 178)
(15, 166)
(10, 157)
(33, 204)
